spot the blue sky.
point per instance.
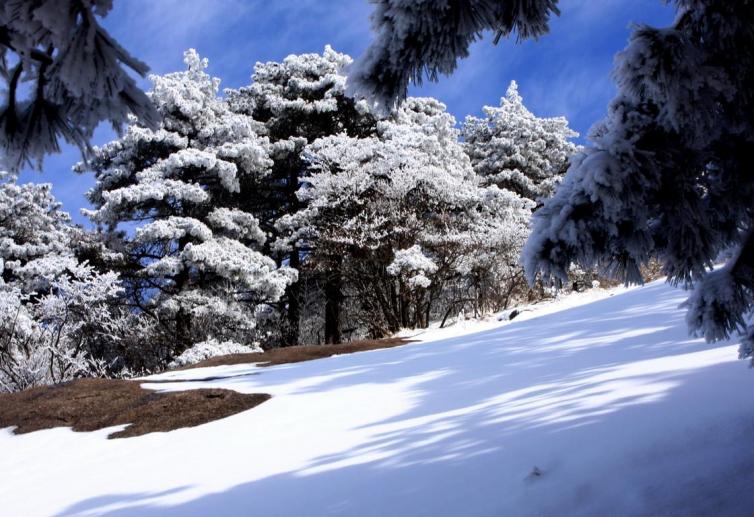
(566, 72)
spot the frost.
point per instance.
(54, 309)
(413, 263)
(414, 38)
(211, 348)
(664, 176)
(402, 214)
(236, 224)
(516, 150)
(68, 75)
(173, 228)
(192, 254)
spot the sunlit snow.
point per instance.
(598, 404)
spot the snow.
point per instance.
(194, 249)
(516, 150)
(415, 38)
(597, 404)
(465, 324)
(211, 348)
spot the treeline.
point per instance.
(281, 213)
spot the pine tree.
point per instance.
(415, 37)
(517, 151)
(667, 172)
(404, 212)
(298, 101)
(190, 252)
(63, 74)
(665, 175)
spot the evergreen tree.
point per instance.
(517, 151)
(298, 101)
(190, 252)
(63, 74)
(414, 37)
(404, 212)
(667, 174)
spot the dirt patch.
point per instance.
(297, 354)
(92, 404)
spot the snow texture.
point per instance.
(410, 185)
(596, 404)
(512, 148)
(193, 250)
(209, 349)
(54, 309)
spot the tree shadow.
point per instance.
(583, 400)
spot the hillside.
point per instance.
(584, 407)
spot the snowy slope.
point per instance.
(620, 412)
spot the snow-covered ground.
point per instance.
(581, 407)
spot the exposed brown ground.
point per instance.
(297, 354)
(91, 404)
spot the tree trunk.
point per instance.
(293, 312)
(405, 306)
(183, 335)
(389, 307)
(333, 303)
(182, 331)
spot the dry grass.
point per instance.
(297, 354)
(92, 404)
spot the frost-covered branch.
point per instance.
(665, 174)
(418, 38)
(75, 75)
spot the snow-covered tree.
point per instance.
(211, 348)
(190, 252)
(666, 175)
(35, 236)
(515, 150)
(63, 74)
(54, 337)
(418, 37)
(298, 100)
(402, 211)
(59, 317)
(413, 266)
(489, 269)
(668, 171)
